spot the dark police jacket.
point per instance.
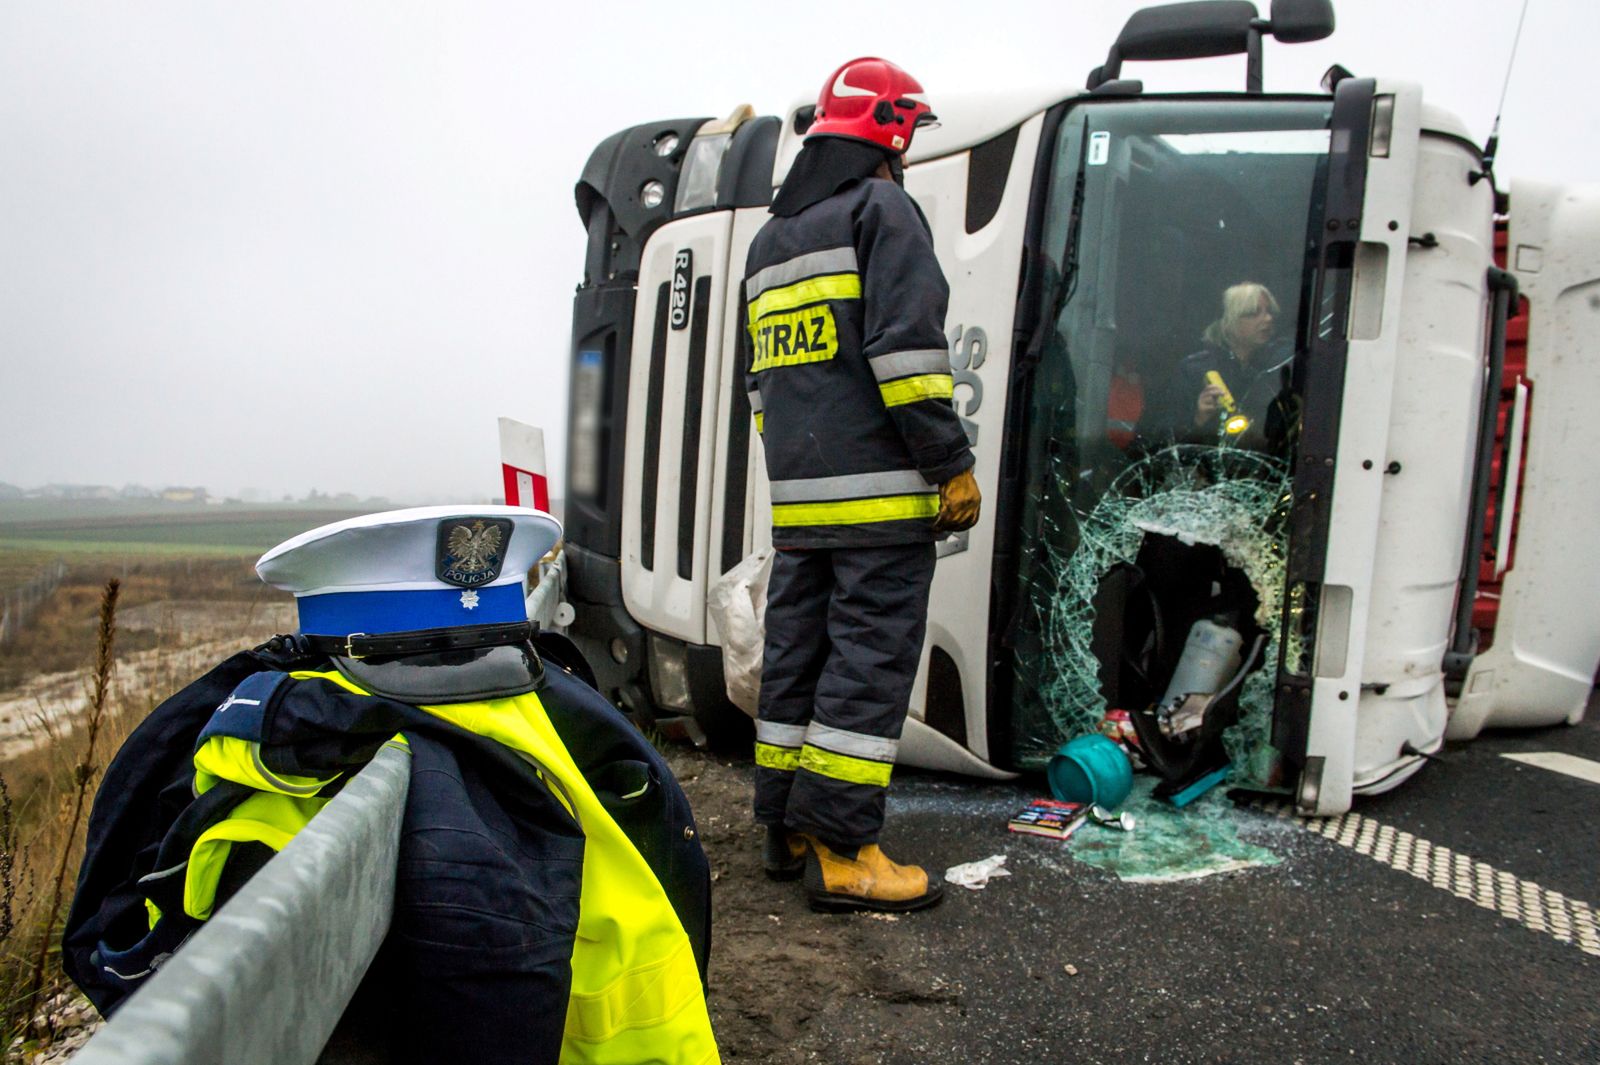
(473, 963)
(848, 370)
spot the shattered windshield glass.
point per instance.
(1161, 425)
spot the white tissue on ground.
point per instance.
(974, 875)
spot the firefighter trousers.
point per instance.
(844, 631)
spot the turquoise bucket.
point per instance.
(1091, 769)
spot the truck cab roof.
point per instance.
(971, 118)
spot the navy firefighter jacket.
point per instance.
(848, 371)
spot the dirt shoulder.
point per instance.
(787, 984)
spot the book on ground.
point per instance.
(1049, 817)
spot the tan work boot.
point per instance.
(783, 853)
(839, 880)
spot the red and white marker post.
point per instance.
(522, 465)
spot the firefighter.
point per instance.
(849, 381)
(552, 900)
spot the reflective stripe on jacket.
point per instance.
(848, 371)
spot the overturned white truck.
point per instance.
(1404, 560)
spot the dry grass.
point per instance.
(18, 567)
(60, 637)
(45, 790)
(39, 852)
(83, 774)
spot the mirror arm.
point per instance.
(1112, 70)
(1252, 69)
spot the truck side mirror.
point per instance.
(1203, 28)
(1187, 31)
(1299, 21)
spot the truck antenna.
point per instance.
(1493, 145)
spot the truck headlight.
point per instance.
(697, 181)
(669, 674)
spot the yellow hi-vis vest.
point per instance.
(283, 805)
(636, 993)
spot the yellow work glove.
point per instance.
(959, 501)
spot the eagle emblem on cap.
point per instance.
(472, 550)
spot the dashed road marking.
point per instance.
(1556, 762)
(1536, 908)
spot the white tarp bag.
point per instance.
(738, 605)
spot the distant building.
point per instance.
(178, 494)
(72, 492)
(137, 491)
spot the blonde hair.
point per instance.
(1237, 302)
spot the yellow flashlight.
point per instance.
(1234, 421)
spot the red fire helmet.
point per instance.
(872, 100)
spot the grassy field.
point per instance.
(41, 530)
(18, 565)
(61, 633)
(161, 552)
(72, 510)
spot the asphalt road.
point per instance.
(1333, 954)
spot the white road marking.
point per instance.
(1523, 901)
(1556, 762)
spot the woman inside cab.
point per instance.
(1234, 390)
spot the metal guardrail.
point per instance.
(267, 978)
(549, 595)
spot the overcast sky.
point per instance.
(284, 246)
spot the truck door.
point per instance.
(1344, 375)
(1392, 380)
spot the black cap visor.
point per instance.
(459, 676)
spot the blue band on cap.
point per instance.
(375, 613)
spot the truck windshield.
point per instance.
(1162, 414)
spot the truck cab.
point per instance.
(1335, 523)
